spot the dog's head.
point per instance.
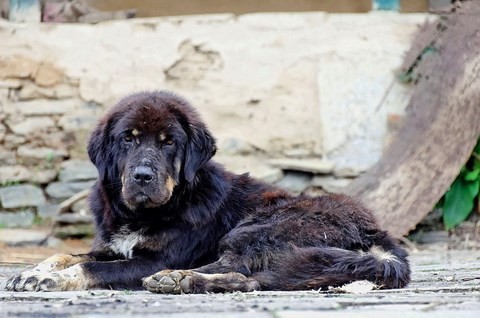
(148, 145)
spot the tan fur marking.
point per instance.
(163, 136)
(135, 132)
(170, 184)
(74, 278)
(59, 262)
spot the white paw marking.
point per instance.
(72, 278)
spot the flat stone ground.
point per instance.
(446, 283)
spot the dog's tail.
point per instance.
(320, 267)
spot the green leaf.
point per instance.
(459, 201)
(472, 175)
(477, 147)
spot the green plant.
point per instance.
(459, 201)
(8, 183)
(49, 160)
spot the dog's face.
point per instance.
(148, 145)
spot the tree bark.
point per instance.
(441, 127)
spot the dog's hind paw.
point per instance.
(170, 282)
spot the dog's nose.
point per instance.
(143, 175)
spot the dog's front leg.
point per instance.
(124, 274)
(59, 272)
(121, 274)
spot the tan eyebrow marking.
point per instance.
(135, 132)
(163, 136)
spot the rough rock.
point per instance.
(10, 83)
(95, 89)
(17, 237)
(235, 146)
(77, 170)
(295, 182)
(48, 75)
(21, 196)
(350, 171)
(31, 125)
(272, 113)
(46, 107)
(255, 166)
(305, 165)
(17, 66)
(78, 121)
(31, 91)
(74, 230)
(59, 139)
(367, 93)
(11, 142)
(4, 95)
(73, 218)
(297, 153)
(17, 219)
(41, 153)
(3, 131)
(81, 207)
(194, 63)
(7, 157)
(330, 184)
(54, 242)
(48, 211)
(338, 113)
(43, 176)
(14, 174)
(60, 191)
(432, 237)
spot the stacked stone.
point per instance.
(326, 110)
(43, 122)
(25, 205)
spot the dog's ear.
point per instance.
(99, 145)
(200, 149)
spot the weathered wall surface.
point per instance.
(309, 85)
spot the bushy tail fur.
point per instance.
(320, 267)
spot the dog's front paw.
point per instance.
(33, 281)
(169, 282)
(72, 278)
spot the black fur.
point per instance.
(214, 221)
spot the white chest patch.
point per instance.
(125, 241)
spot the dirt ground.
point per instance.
(445, 283)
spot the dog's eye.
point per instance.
(128, 138)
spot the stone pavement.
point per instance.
(445, 284)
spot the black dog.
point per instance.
(160, 204)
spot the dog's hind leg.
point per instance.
(321, 267)
(188, 281)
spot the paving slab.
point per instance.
(444, 284)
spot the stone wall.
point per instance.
(306, 92)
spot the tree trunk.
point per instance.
(441, 127)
